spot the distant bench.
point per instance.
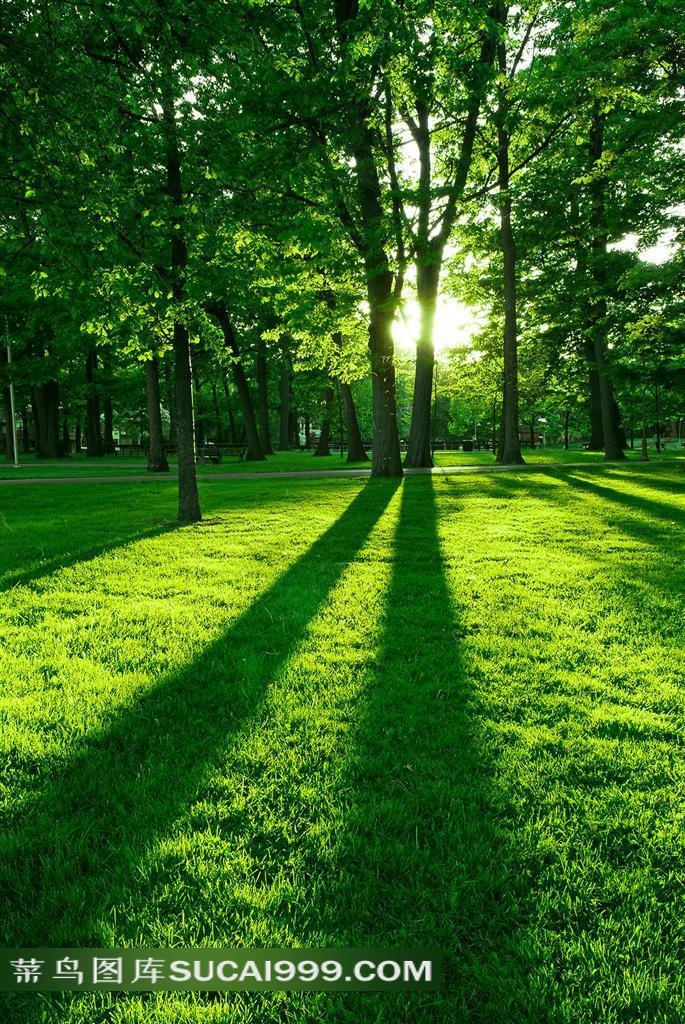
(205, 453)
(216, 452)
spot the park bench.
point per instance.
(131, 449)
(216, 452)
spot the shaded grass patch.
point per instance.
(450, 713)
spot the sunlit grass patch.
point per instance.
(345, 713)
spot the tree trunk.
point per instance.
(511, 446)
(419, 445)
(188, 498)
(598, 309)
(218, 425)
(596, 432)
(494, 429)
(284, 421)
(657, 413)
(94, 437)
(53, 441)
(254, 448)
(622, 436)
(323, 447)
(533, 418)
(9, 434)
(596, 443)
(341, 424)
(47, 420)
(157, 461)
(36, 422)
(644, 454)
(200, 436)
(386, 458)
(500, 435)
(382, 297)
(25, 436)
(263, 399)
(428, 262)
(430, 251)
(171, 402)
(229, 408)
(66, 440)
(108, 433)
(307, 432)
(566, 419)
(355, 447)
(9, 437)
(77, 438)
(294, 428)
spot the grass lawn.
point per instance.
(122, 465)
(340, 712)
(292, 462)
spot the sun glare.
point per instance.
(455, 324)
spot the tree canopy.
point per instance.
(213, 213)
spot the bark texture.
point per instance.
(430, 248)
(188, 498)
(46, 412)
(419, 446)
(355, 447)
(611, 427)
(254, 447)
(511, 444)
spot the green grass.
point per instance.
(124, 465)
(546, 456)
(341, 712)
(291, 462)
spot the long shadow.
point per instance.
(73, 534)
(652, 528)
(424, 860)
(73, 852)
(648, 506)
(31, 549)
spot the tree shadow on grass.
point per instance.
(424, 859)
(507, 482)
(40, 539)
(655, 516)
(637, 502)
(42, 531)
(72, 854)
(631, 532)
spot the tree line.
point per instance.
(234, 200)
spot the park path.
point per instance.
(317, 474)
